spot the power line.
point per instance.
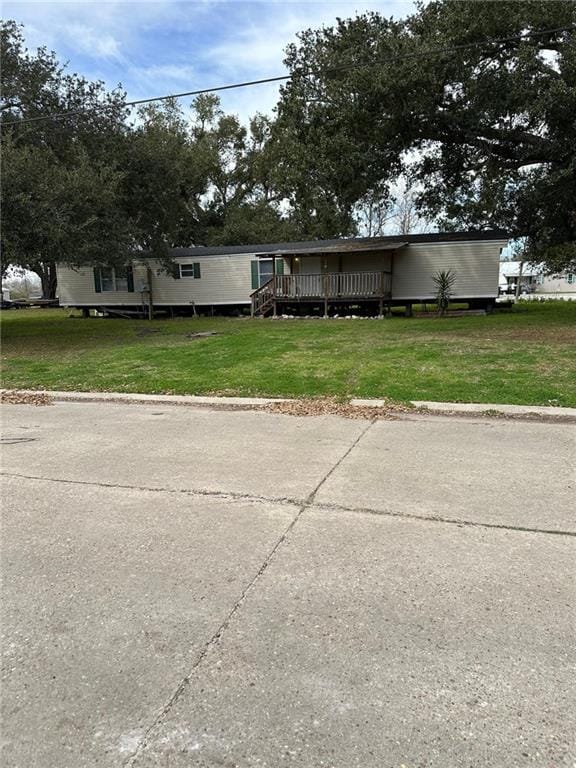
(283, 78)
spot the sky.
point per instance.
(169, 46)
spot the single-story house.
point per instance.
(322, 275)
(534, 283)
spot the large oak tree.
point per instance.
(472, 100)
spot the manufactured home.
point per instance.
(367, 275)
(535, 283)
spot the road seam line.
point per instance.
(154, 489)
(327, 506)
(180, 688)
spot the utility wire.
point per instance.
(305, 73)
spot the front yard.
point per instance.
(526, 356)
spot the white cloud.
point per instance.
(94, 43)
(167, 46)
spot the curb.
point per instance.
(119, 397)
(489, 409)
(480, 408)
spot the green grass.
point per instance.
(527, 356)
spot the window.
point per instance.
(265, 271)
(190, 270)
(107, 279)
(121, 275)
(570, 278)
(111, 279)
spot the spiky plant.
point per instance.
(444, 282)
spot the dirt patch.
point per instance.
(329, 406)
(142, 333)
(22, 398)
(547, 335)
(202, 335)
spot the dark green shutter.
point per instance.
(196, 270)
(279, 266)
(176, 271)
(97, 281)
(130, 278)
(255, 275)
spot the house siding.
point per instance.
(224, 280)
(227, 279)
(556, 287)
(475, 265)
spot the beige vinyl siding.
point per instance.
(228, 279)
(551, 285)
(223, 280)
(76, 287)
(475, 264)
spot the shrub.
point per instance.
(444, 282)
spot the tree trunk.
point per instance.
(47, 274)
(517, 291)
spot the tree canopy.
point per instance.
(470, 108)
(99, 184)
(472, 101)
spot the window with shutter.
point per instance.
(266, 270)
(190, 270)
(121, 276)
(113, 279)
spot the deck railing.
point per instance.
(330, 286)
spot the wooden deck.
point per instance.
(331, 287)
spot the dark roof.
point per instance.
(344, 244)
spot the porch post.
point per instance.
(381, 311)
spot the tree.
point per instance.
(84, 186)
(407, 218)
(373, 213)
(163, 182)
(487, 127)
(58, 213)
(60, 191)
(243, 201)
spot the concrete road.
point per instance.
(190, 587)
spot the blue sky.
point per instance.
(169, 46)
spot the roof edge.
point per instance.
(346, 242)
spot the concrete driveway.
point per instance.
(193, 587)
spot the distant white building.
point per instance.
(534, 283)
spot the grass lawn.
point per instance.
(526, 356)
